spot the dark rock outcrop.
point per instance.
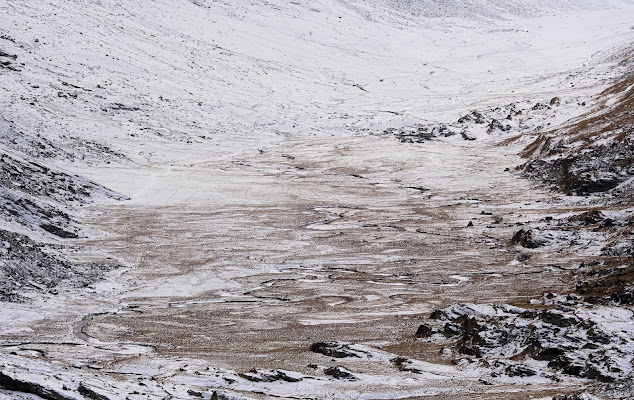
(340, 373)
(337, 350)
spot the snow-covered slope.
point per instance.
(128, 75)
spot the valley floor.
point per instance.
(265, 233)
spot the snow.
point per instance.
(250, 139)
(308, 81)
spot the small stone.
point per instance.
(424, 331)
(523, 257)
(339, 373)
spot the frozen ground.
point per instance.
(297, 173)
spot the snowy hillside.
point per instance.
(124, 74)
(329, 199)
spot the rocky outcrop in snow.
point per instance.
(592, 154)
(27, 265)
(511, 119)
(564, 337)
